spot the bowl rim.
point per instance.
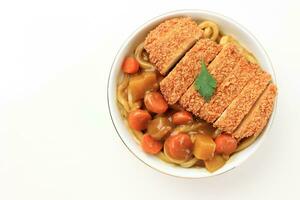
(165, 15)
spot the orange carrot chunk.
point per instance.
(150, 145)
(130, 65)
(155, 102)
(138, 119)
(179, 146)
(182, 117)
(225, 144)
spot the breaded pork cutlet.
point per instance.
(170, 40)
(219, 68)
(228, 90)
(241, 105)
(258, 116)
(185, 72)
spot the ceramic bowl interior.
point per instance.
(228, 27)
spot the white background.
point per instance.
(56, 137)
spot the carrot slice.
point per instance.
(225, 144)
(155, 102)
(138, 119)
(179, 146)
(182, 117)
(150, 145)
(130, 65)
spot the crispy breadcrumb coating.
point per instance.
(240, 106)
(219, 68)
(228, 90)
(185, 72)
(170, 40)
(258, 116)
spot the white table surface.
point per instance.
(56, 137)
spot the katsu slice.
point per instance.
(175, 84)
(229, 89)
(192, 101)
(224, 63)
(241, 105)
(219, 68)
(170, 40)
(259, 115)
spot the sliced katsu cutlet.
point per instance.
(219, 68)
(170, 40)
(241, 105)
(258, 116)
(175, 84)
(228, 90)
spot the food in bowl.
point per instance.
(192, 95)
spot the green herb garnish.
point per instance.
(205, 83)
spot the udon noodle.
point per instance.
(142, 58)
(210, 30)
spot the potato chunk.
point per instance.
(141, 83)
(215, 163)
(204, 147)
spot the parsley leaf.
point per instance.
(205, 83)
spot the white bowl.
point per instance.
(228, 26)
